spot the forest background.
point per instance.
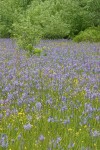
(30, 20)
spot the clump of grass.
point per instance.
(33, 51)
(37, 51)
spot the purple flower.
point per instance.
(24, 95)
(66, 121)
(1, 116)
(58, 140)
(41, 138)
(27, 126)
(29, 117)
(7, 88)
(19, 102)
(31, 100)
(4, 141)
(51, 119)
(8, 112)
(64, 98)
(88, 107)
(38, 106)
(10, 77)
(10, 96)
(71, 145)
(0, 76)
(97, 118)
(19, 136)
(95, 133)
(64, 108)
(49, 101)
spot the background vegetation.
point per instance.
(30, 20)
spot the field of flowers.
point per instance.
(51, 101)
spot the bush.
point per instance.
(26, 34)
(91, 34)
(4, 31)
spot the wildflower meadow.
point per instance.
(50, 101)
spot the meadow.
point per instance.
(50, 101)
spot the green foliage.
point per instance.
(10, 12)
(56, 29)
(33, 51)
(91, 34)
(93, 9)
(22, 3)
(29, 20)
(37, 51)
(27, 35)
(5, 18)
(60, 19)
(4, 31)
(48, 15)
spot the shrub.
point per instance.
(26, 34)
(91, 34)
(4, 31)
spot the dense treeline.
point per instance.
(30, 20)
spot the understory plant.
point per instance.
(91, 34)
